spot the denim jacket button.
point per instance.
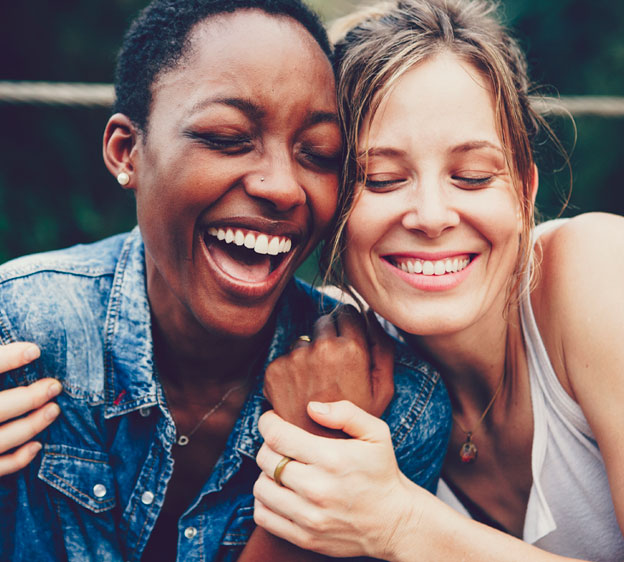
(145, 411)
(190, 532)
(99, 490)
(147, 498)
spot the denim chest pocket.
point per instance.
(84, 476)
(240, 529)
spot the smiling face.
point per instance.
(236, 175)
(433, 238)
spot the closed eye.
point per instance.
(382, 185)
(470, 182)
(228, 144)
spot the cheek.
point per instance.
(323, 198)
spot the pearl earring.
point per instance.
(261, 179)
(123, 179)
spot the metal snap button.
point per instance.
(99, 490)
(190, 532)
(145, 411)
(147, 498)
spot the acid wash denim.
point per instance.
(97, 487)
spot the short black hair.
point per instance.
(158, 37)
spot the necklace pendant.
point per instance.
(468, 451)
(183, 441)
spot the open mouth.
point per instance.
(245, 255)
(432, 267)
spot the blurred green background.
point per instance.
(55, 190)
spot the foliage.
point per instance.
(55, 191)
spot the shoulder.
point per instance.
(579, 294)
(59, 301)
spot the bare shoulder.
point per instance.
(580, 295)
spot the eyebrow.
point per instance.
(460, 148)
(475, 145)
(246, 106)
(382, 151)
(255, 113)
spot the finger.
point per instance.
(278, 525)
(302, 341)
(20, 431)
(267, 459)
(347, 417)
(324, 328)
(17, 354)
(281, 500)
(18, 459)
(289, 440)
(17, 401)
(350, 324)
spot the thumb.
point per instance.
(347, 417)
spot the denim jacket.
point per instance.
(97, 487)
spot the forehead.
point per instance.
(443, 96)
(249, 53)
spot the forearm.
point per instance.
(434, 531)
(263, 545)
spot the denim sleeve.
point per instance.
(419, 418)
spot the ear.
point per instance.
(534, 184)
(119, 148)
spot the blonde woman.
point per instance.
(525, 323)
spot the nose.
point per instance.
(430, 209)
(277, 183)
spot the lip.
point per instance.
(431, 283)
(245, 290)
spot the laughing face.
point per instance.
(433, 238)
(236, 175)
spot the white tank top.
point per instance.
(570, 511)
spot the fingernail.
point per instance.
(51, 412)
(319, 407)
(31, 353)
(54, 389)
(34, 448)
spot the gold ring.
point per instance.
(277, 474)
(304, 338)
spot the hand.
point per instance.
(17, 402)
(339, 498)
(342, 361)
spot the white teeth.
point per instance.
(259, 243)
(262, 244)
(250, 241)
(274, 245)
(438, 267)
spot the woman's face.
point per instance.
(236, 178)
(433, 238)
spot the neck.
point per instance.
(473, 361)
(200, 366)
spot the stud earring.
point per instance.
(261, 179)
(123, 178)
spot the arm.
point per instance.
(16, 448)
(340, 362)
(350, 499)
(579, 308)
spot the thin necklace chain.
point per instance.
(485, 412)
(184, 438)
